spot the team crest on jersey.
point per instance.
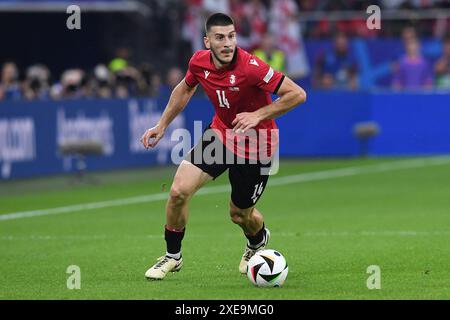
(232, 79)
(206, 74)
(254, 62)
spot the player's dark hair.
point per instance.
(218, 19)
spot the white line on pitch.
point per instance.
(325, 234)
(275, 181)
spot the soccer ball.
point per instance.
(267, 268)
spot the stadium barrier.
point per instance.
(33, 134)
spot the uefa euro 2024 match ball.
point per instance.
(267, 268)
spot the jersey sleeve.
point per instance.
(190, 78)
(264, 76)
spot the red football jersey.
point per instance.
(243, 86)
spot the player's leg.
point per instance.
(250, 220)
(252, 223)
(191, 175)
(188, 179)
(247, 186)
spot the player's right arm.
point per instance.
(178, 100)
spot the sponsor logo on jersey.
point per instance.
(206, 73)
(254, 62)
(234, 88)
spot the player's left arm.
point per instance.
(291, 95)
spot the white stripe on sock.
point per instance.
(251, 246)
(175, 256)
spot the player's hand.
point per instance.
(245, 121)
(155, 133)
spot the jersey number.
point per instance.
(258, 190)
(223, 101)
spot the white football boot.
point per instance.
(164, 265)
(250, 252)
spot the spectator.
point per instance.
(270, 54)
(128, 82)
(286, 29)
(256, 13)
(147, 73)
(173, 78)
(192, 26)
(155, 85)
(413, 70)
(337, 68)
(102, 82)
(71, 85)
(9, 85)
(193, 21)
(250, 18)
(241, 24)
(36, 85)
(442, 67)
(408, 34)
(121, 60)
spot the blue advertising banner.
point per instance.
(323, 125)
(411, 124)
(33, 135)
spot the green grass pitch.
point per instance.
(330, 227)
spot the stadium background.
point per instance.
(74, 103)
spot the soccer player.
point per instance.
(239, 86)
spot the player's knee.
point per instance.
(239, 216)
(178, 196)
(236, 217)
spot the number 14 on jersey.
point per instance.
(223, 101)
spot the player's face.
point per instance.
(221, 40)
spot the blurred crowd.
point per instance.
(117, 79)
(269, 29)
(338, 68)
